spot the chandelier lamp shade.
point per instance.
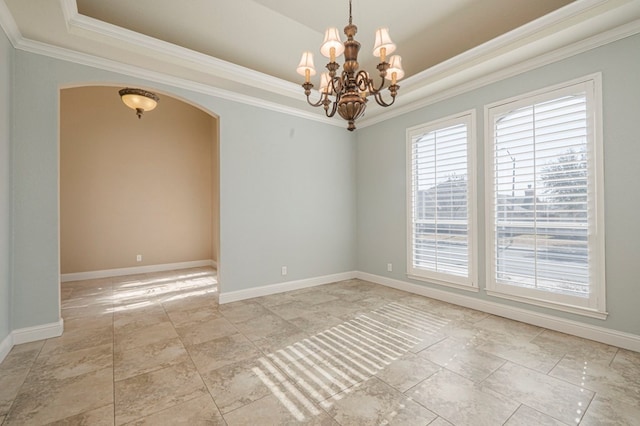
(139, 100)
(347, 92)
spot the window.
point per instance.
(441, 198)
(544, 186)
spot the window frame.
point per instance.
(595, 304)
(469, 283)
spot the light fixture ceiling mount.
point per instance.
(139, 100)
(347, 93)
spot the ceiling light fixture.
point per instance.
(139, 100)
(347, 93)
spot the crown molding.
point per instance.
(149, 46)
(80, 58)
(9, 25)
(501, 73)
(490, 62)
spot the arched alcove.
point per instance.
(134, 187)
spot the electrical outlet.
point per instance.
(139, 258)
(389, 267)
(284, 271)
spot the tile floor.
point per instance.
(156, 349)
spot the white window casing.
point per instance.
(544, 198)
(441, 202)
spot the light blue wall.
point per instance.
(6, 64)
(381, 168)
(287, 189)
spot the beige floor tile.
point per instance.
(285, 341)
(553, 397)
(241, 383)
(102, 416)
(88, 310)
(576, 346)
(144, 336)
(460, 401)
(407, 371)
(65, 365)
(14, 370)
(611, 412)
(440, 422)
(284, 408)
(315, 322)
(148, 393)
(620, 382)
(182, 318)
(527, 354)
(373, 403)
(265, 326)
(243, 311)
(200, 411)
(226, 350)
(43, 401)
(78, 339)
(313, 296)
(350, 346)
(290, 310)
(508, 330)
(460, 356)
(316, 377)
(193, 334)
(131, 318)
(147, 358)
(527, 416)
(192, 299)
(271, 300)
(88, 323)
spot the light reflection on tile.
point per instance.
(556, 398)
(347, 348)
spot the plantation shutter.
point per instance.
(439, 202)
(540, 193)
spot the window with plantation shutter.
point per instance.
(544, 224)
(441, 201)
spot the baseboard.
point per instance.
(587, 331)
(90, 275)
(5, 346)
(234, 296)
(38, 332)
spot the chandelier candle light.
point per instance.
(347, 93)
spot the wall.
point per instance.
(287, 188)
(6, 65)
(133, 186)
(381, 224)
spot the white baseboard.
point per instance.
(5, 346)
(38, 332)
(234, 296)
(30, 334)
(89, 275)
(592, 332)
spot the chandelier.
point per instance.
(347, 92)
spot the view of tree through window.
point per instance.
(540, 184)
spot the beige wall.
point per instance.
(130, 186)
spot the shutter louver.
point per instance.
(439, 203)
(540, 189)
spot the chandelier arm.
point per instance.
(378, 97)
(318, 103)
(334, 108)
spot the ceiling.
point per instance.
(248, 49)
